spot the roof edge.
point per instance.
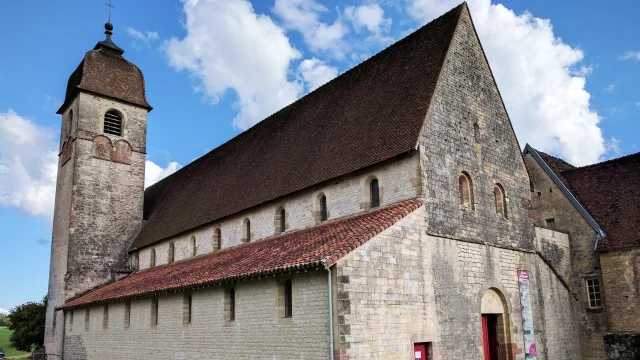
(528, 149)
(78, 90)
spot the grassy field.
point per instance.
(6, 345)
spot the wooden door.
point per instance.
(420, 351)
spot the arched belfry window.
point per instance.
(374, 193)
(500, 201)
(113, 123)
(466, 190)
(217, 239)
(324, 215)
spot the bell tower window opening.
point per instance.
(113, 123)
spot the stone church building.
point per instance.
(389, 214)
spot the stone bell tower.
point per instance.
(100, 184)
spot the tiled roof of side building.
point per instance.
(367, 115)
(557, 165)
(316, 247)
(610, 191)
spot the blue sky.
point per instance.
(567, 71)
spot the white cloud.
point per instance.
(610, 88)
(230, 47)
(539, 78)
(4, 311)
(370, 16)
(304, 16)
(630, 55)
(316, 73)
(638, 105)
(154, 173)
(28, 165)
(613, 146)
(146, 37)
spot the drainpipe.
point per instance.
(64, 331)
(330, 315)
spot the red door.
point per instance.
(490, 336)
(420, 351)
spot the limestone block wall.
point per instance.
(258, 331)
(621, 282)
(398, 181)
(468, 130)
(404, 287)
(555, 248)
(548, 202)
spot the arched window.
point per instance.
(500, 200)
(70, 126)
(171, 254)
(152, 258)
(246, 231)
(324, 215)
(281, 220)
(113, 123)
(288, 299)
(194, 246)
(217, 239)
(374, 193)
(231, 301)
(476, 133)
(466, 190)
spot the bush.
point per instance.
(27, 323)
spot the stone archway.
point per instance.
(496, 326)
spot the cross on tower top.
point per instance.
(109, 6)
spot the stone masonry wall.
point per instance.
(621, 282)
(398, 181)
(404, 287)
(466, 94)
(257, 333)
(548, 202)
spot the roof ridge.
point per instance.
(606, 162)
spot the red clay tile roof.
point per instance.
(369, 114)
(610, 192)
(107, 73)
(316, 247)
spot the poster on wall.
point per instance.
(527, 315)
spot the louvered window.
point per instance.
(113, 123)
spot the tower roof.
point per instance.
(105, 72)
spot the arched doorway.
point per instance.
(495, 326)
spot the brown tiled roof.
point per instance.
(369, 114)
(610, 191)
(316, 247)
(107, 73)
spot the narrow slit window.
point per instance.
(217, 239)
(135, 262)
(171, 254)
(374, 192)
(232, 304)
(550, 223)
(593, 292)
(152, 258)
(127, 314)
(154, 311)
(113, 123)
(246, 231)
(288, 299)
(194, 246)
(87, 317)
(323, 209)
(476, 133)
(280, 221)
(105, 317)
(187, 309)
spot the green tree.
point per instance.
(27, 323)
(4, 320)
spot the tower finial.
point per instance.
(107, 43)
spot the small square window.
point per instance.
(593, 293)
(550, 223)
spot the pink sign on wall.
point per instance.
(527, 315)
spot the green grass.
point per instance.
(6, 345)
